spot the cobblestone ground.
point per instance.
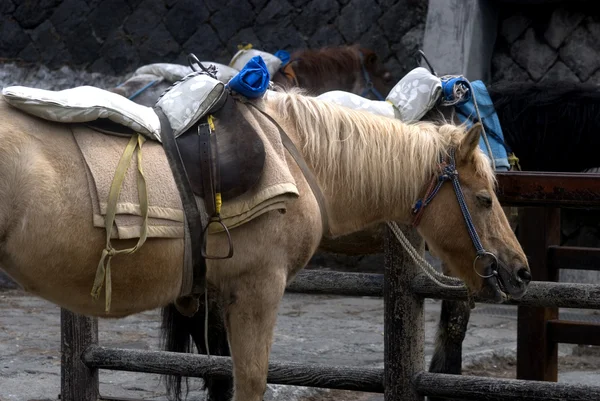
(321, 329)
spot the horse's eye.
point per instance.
(484, 199)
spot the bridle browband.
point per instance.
(448, 172)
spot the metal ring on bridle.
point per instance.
(480, 255)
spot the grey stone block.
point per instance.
(51, 49)
(535, 56)
(119, 52)
(81, 44)
(143, 20)
(376, 41)
(315, 14)
(12, 37)
(326, 35)
(581, 51)
(258, 5)
(401, 17)
(280, 35)
(69, 15)
(356, 18)
(514, 26)
(203, 43)
(229, 20)
(30, 14)
(246, 35)
(274, 12)
(108, 16)
(406, 51)
(183, 19)
(562, 23)
(7, 7)
(560, 73)
(504, 68)
(159, 47)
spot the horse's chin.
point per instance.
(493, 290)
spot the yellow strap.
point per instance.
(513, 160)
(211, 122)
(240, 47)
(103, 272)
(218, 203)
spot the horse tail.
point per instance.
(180, 333)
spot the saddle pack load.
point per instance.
(420, 90)
(214, 144)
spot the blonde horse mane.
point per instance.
(377, 159)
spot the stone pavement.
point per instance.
(321, 329)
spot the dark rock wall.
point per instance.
(116, 36)
(548, 43)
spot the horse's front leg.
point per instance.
(251, 306)
(452, 328)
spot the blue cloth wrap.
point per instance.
(253, 80)
(283, 55)
(448, 87)
(466, 112)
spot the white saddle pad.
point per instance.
(409, 100)
(183, 104)
(415, 94)
(84, 104)
(358, 102)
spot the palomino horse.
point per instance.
(349, 68)
(369, 169)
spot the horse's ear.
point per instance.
(470, 142)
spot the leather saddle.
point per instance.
(227, 157)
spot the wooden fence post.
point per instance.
(537, 354)
(78, 382)
(404, 322)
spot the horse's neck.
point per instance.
(371, 184)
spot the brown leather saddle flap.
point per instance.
(237, 154)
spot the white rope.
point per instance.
(429, 270)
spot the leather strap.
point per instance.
(195, 215)
(308, 174)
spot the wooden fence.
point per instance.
(404, 289)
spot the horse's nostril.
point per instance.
(524, 274)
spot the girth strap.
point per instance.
(195, 214)
(308, 174)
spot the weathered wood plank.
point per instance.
(562, 295)
(537, 354)
(567, 332)
(573, 257)
(194, 365)
(337, 283)
(460, 36)
(404, 322)
(495, 389)
(524, 188)
(78, 381)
